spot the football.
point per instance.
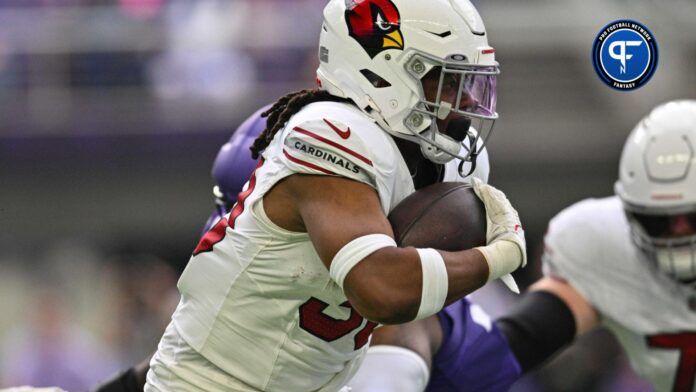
(446, 216)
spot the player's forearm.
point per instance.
(467, 271)
(387, 286)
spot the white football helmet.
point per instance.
(657, 185)
(377, 52)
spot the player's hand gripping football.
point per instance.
(506, 250)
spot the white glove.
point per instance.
(506, 250)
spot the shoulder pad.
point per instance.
(328, 147)
(575, 246)
(335, 139)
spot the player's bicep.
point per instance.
(380, 280)
(336, 210)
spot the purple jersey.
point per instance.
(474, 355)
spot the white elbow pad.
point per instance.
(435, 284)
(354, 252)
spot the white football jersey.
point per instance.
(589, 245)
(256, 300)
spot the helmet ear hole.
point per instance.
(376, 80)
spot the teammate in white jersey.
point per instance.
(626, 263)
(629, 261)
(274, 295)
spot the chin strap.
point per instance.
(473, 154)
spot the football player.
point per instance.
(275, 293)
(467, 342)
(480, 346)
(230, 171)
(630, 260)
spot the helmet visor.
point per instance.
(666, 226)
(452, 90)
(468, 91)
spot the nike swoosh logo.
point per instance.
(441, 35)
(342, 134)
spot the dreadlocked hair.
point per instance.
(281, 111)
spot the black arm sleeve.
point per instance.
(126, 381)
(540, 324)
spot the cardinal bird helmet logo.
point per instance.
(375, 24)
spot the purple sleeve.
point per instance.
(474, 356)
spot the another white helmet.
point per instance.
(376, 52)
(657, 185)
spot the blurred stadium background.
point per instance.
(112, 111)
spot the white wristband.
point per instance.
(502, 257)
(435, 284)
(354, 252)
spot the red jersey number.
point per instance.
(217, 233)
(685, 342)
(212, 237)
(327, 328)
